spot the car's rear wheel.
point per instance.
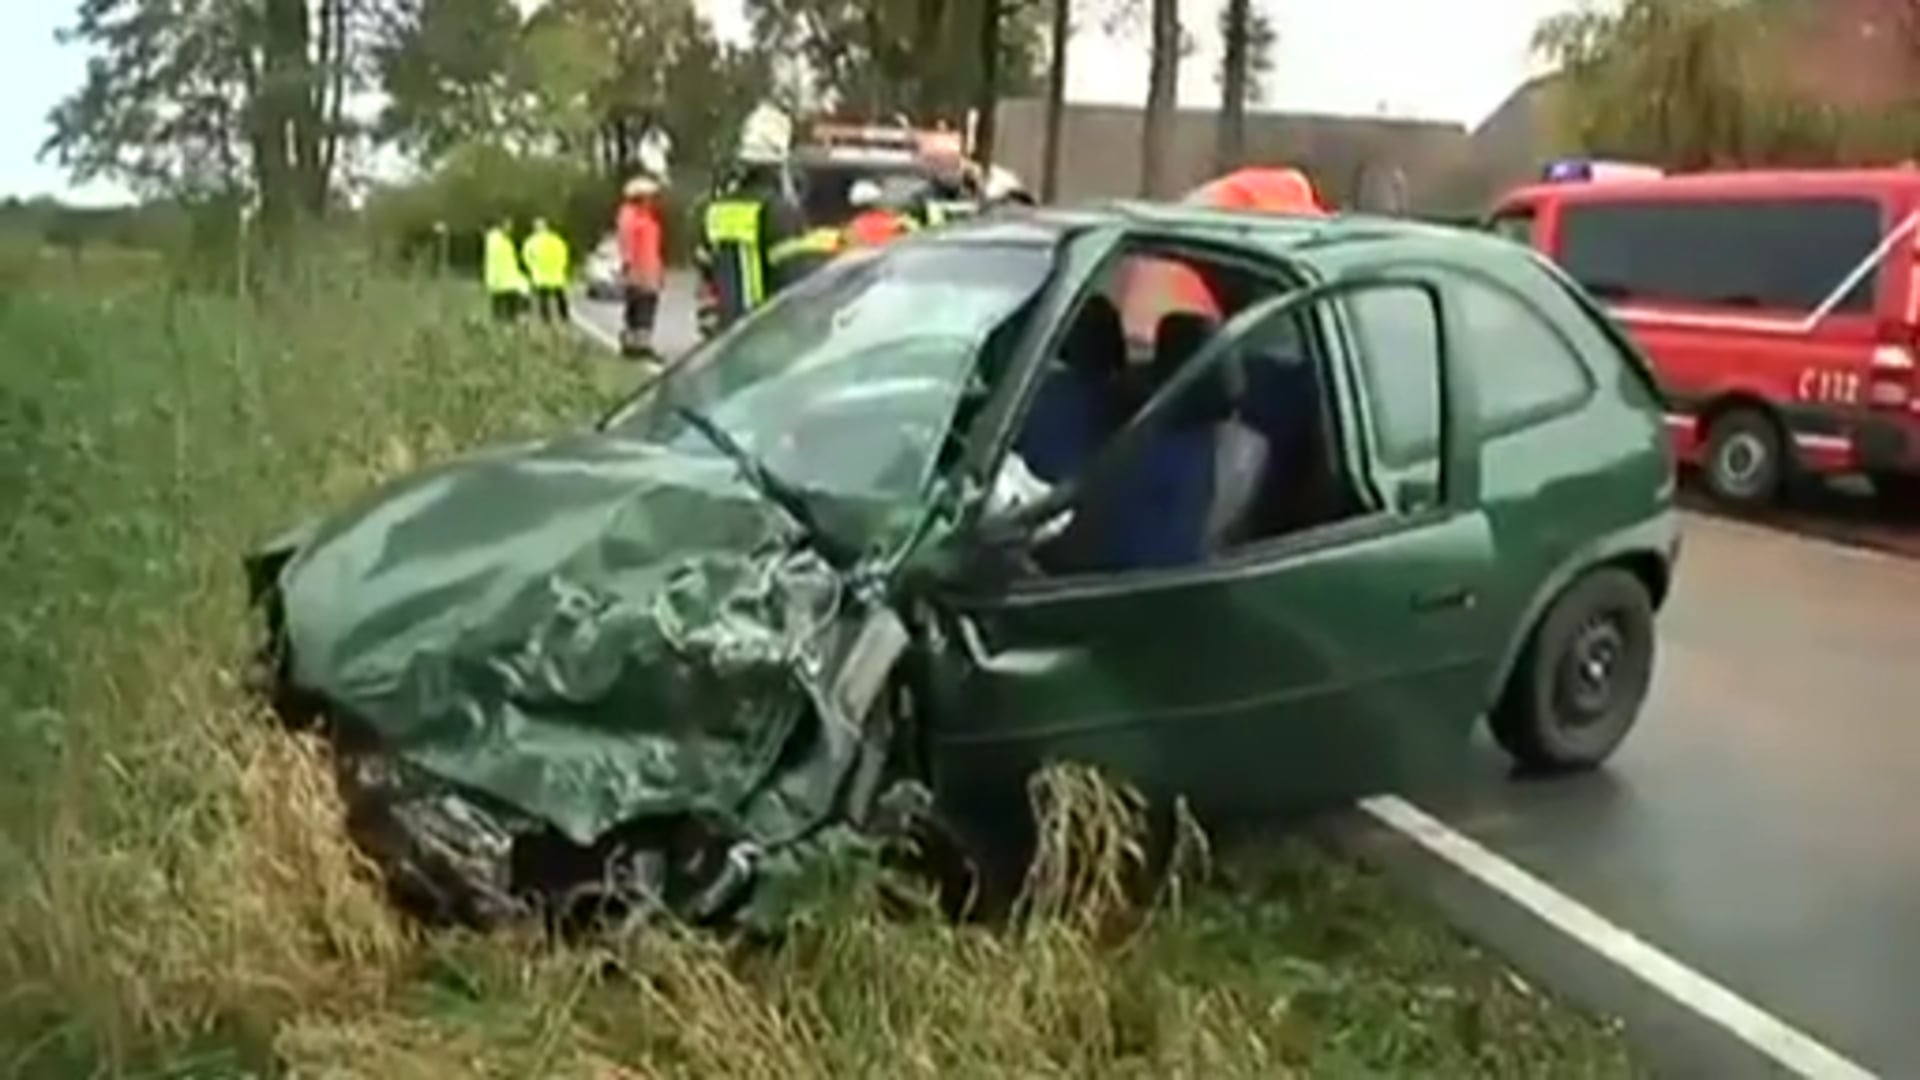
(1582, 678)
(1746, 461)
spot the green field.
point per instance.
(176, 898)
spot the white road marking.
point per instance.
(598, 333)
(1792, 1049)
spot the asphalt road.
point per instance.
(1753, 827)
(674, 332)
(1756, 825)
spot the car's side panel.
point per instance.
(1591, 486)
(1343, 669)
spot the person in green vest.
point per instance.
(507, 284)
(743, 244)
(547, 259)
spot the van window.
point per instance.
(1764, 254)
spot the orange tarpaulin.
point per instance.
(1151, 287)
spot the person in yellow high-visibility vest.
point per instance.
(547, 260)
(507, 284)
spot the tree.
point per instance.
(228, 98)
(1693, 84)
(921, 58)
(1059, 38)
(578, 78)
(444, 66)
(1236, 31)
(989, 42)
(1163, 91)
(1665, 80)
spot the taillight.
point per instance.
(1890, 377)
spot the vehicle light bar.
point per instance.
(1580, 170)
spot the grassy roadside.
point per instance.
(175, 898)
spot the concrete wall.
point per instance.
(1351, 160)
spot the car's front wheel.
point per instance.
(1582, 678)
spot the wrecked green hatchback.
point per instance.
(934, 519)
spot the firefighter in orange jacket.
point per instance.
(642, 256)
(873, 224)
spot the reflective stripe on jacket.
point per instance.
(941, 211)
(791, 260)
(502, 268)
(547, 258)
(732, 233)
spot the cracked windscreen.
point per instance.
(848, 384)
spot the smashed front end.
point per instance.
(582, 677)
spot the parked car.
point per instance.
(1781, 311)
(602, 271)
(922, 524)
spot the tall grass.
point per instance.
(176, 897)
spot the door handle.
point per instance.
(1457, 598)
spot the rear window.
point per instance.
(1775, 254)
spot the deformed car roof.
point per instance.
(1285, 235)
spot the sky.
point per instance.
(1439, 59)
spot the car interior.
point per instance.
(1241, 458)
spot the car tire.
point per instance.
(1581, 680)
(1746, 461)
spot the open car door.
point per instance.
(1336, 661)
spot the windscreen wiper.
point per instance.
(777, 489)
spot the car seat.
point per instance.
(1157, 506)
(1284, 403)
(1074, 410)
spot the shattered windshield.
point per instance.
(849, 383)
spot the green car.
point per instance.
(930, 520)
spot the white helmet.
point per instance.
(863, 194)
(1003, 184)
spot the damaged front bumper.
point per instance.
(637, 695)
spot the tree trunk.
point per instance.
(929, 96)
(1230, 149)
(1062, 32)
(986, 95)
(336, 62)
(1163, 91)
(289, 164)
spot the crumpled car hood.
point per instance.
(587, 631)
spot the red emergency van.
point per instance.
(1781, 311)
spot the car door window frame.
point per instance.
(1490, 427)
(1274, 553)
(1354, 346)
(999, 426)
